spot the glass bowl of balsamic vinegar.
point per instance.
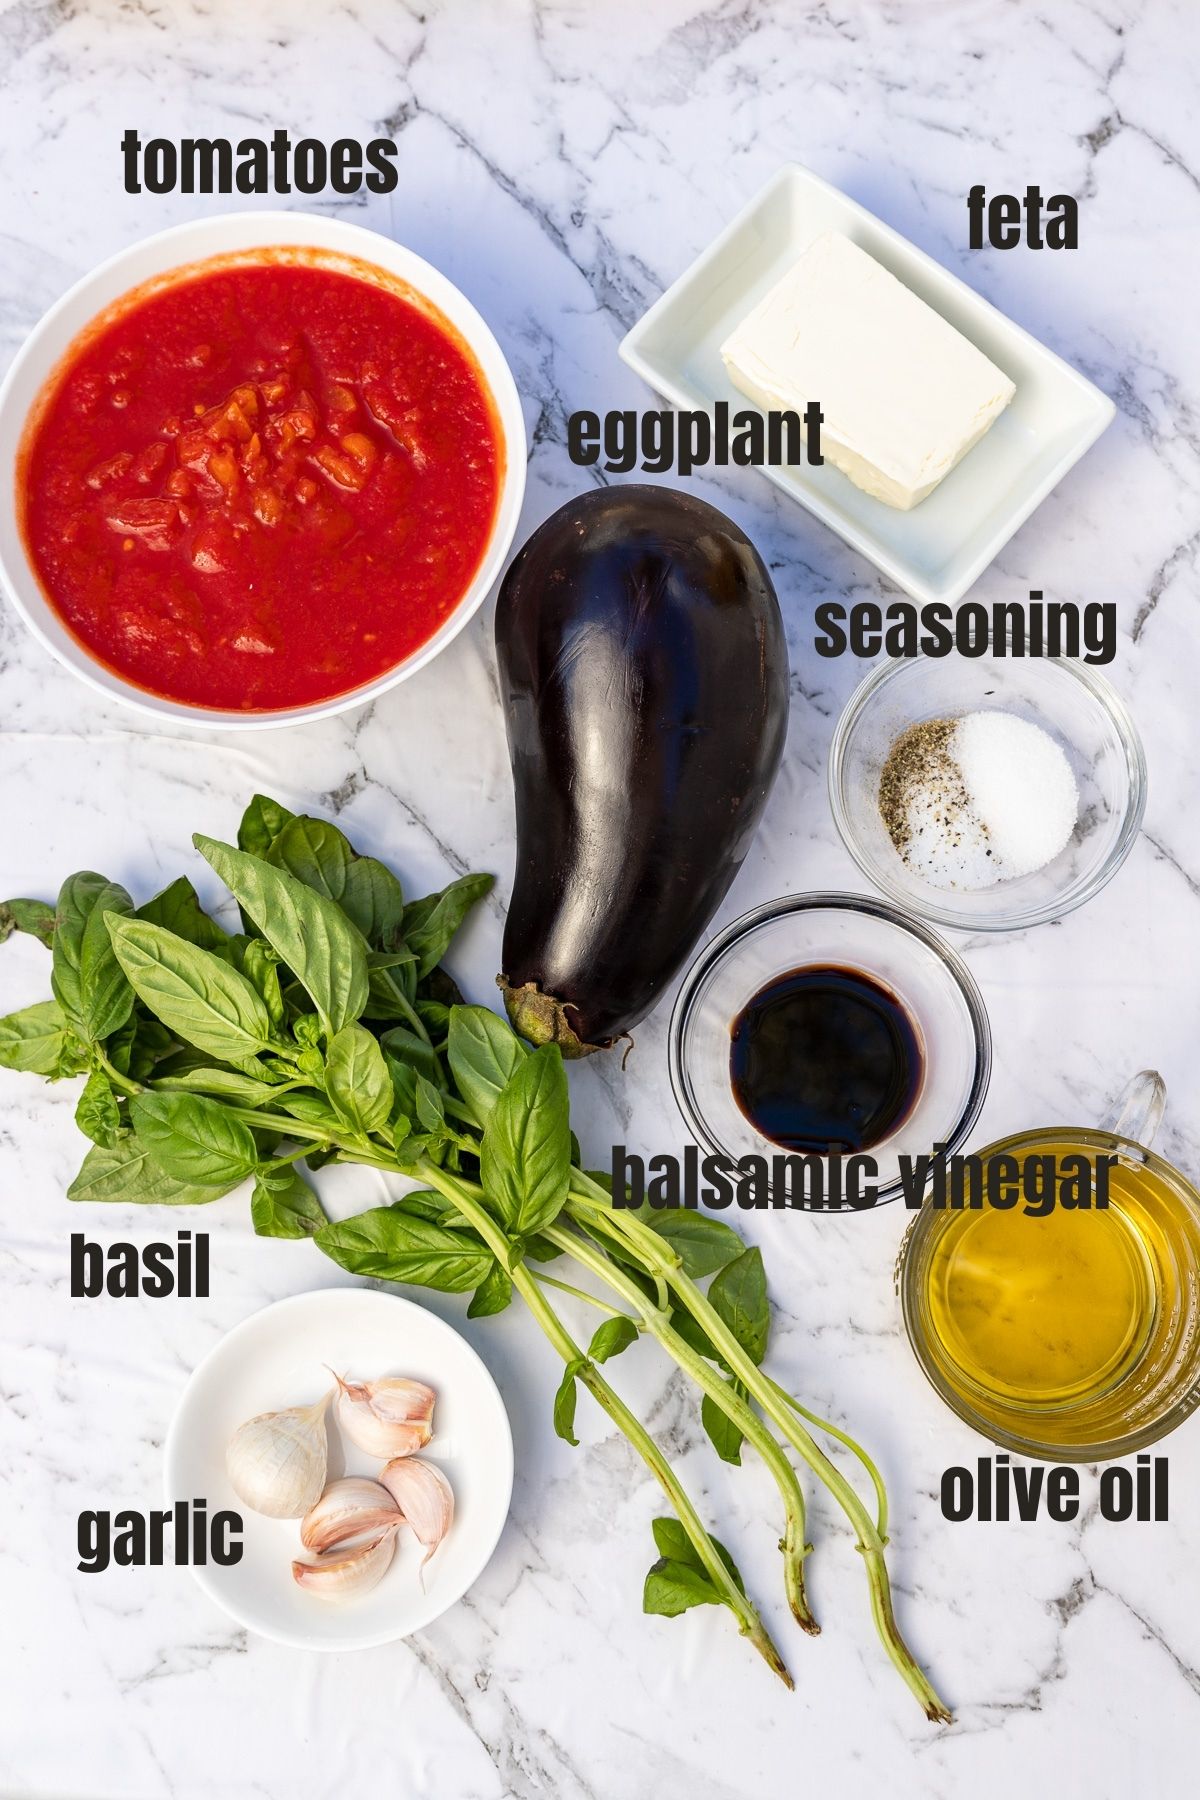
(830, 1025)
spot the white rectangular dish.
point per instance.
(940, 548)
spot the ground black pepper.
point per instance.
(920, 763)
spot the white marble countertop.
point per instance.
(563, 162)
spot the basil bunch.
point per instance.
(326, 1029)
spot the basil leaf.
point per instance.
(226, 1084)
(261, 824)
(564, 1403)
(178, 909)
(430, 1111)
(126, 1173)
(435, 1018)
(315, 852)
(324, 951)
(403, 1046)
(357, 1080)
(232, 950)
(670, 1539)
(430, 923)
(140, 1044)
(194, 1139)
(390, 959)
(611, 1338)
(197, 994)
(408, 1144)
(260, 966)
(724, 1435)
(88, 981)
(673, 1542)
(393, 1246)
(373, 899)
(541, 1249)
(284, 1206)
(427, 1203)
(485, 1053)
(492, 1295)
(703, 1244)
(310, 1109)
(97, 1115)
(738, 1296)
(440, 991)
(33, 916)
(404, 1090)
(391, 985)
(525, 1160)
(76, 901)
(318, 854)
(33, 1040)
(672, 1587)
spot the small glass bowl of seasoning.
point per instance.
(987, 793)
(827, 1027)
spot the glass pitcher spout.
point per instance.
(1138, 1112)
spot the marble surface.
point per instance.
(563, 162)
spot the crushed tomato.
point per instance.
(261, 487)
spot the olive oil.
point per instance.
(1067, 1332)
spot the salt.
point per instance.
(1020, 786)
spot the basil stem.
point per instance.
(843, 1437)
(564, 1287)
(656, 1254)
(463, 1195)
(114, 1075)
(794, 1546)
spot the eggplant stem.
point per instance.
(543, 1019)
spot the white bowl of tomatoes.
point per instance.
(256, 469)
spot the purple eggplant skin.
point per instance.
(644, 675)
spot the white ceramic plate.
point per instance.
(936, 551)
(277, 1359)
(243, 235)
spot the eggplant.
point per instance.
(644, 675)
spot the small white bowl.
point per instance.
(231, 234)
(281, 1357)
(936, 551)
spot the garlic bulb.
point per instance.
(386, 1418)
(350, 1508)
(425, 1498)
(277, 1461)
(344, 1573)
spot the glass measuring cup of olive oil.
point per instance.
(1073, 1335)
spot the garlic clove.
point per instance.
(276, 1462)
(350, 1508)
(386, 1418)
(425, 1498)
(342, 1574)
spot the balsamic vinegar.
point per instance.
(825, 1059)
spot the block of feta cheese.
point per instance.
(904, 395)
